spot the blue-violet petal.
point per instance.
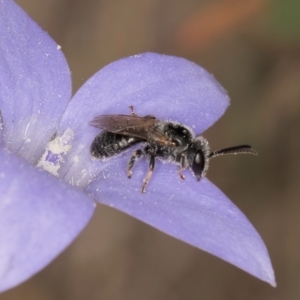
(35, 84)
(40, 217)
(195, 212)
(165, 86)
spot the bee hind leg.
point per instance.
(135, 155)
(136, 115)
(132, 111)
(149, 173)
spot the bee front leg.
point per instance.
(135, 155)
(149, 173)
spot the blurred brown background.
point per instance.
(253, 49)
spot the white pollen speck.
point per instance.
(171, 197)
(58, 47)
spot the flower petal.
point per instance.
(35, 84)
(1, 132)
(195, 212)
(166, 86)
(40, 216)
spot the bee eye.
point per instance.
(198, 164)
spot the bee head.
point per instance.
(199, 157)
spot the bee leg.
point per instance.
(149, 173)
(136, 115)
(132, 111)
(180, 174)
(136, 154)
(182, 167)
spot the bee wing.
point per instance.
(115, 123)
(131, 125)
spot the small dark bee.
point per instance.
(167, 140)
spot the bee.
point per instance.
(168, 141)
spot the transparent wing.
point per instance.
(144, 128)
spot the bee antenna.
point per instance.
(242, 149)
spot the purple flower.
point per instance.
(40, 214)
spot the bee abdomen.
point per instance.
(108, 144)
